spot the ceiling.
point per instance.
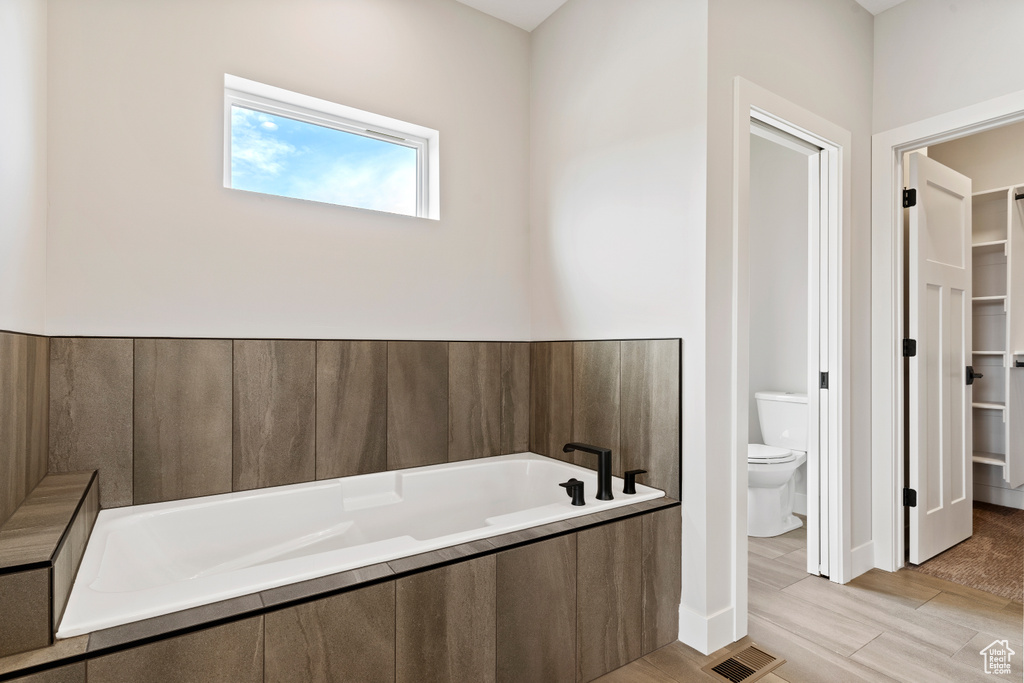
(528, 14)
(878, 6)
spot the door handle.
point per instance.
(972, 375)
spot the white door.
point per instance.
(940, 429)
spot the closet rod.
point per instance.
(1018, 196)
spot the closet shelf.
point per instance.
(988, 353)
(990, 458)
(991, 243)
(989, 406)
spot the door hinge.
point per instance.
(823, 383)
(909, 348)
(909, 198)
(910, 498)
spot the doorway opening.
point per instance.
(787, 185)
(990, 338)
(824, 149)
(969, 493)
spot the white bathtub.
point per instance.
(147, 560)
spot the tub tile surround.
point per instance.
(139, 410)
(183, 419)
(41, 547)
(662, 578)
(595, 405)
(72, 673)
(24, 417)
(649, 411)
(475, 393)
(551, 386)
(609, 613)
(445, 623)
(212, 416)
(417, 404)
(622, 393)
(351, 408)
(25, 602)
(346, 637)
(229, 652)
(536, 584)
(515, 397)
(274, 413)
(535, 601)
(91, 412)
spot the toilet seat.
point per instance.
(759, 454)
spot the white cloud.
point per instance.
(250, 150)
(381, 185)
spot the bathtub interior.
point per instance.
(153, 559)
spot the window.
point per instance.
(283, 143)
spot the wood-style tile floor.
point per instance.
(903, 627)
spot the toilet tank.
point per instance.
(783, 418)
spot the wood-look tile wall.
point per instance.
(347, 637)
(274, 389)
(91, 412)
(165, 419)
(24, 417)
(622, 395)
(182, 423)
(25, 604)
(445, 623)
(609, 618)
(351, 408)
(536, 612)
(231, 652)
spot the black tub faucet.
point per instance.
(604, 467)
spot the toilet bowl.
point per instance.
(770, 487)
(772, 466)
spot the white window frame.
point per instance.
(268, 99)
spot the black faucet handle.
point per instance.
(574, 489)
(630, 484)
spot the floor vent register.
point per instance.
(749, 664)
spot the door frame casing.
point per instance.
(752, 100)
(887, 308)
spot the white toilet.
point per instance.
(772, 465)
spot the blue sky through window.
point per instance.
(289, 158)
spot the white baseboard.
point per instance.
(997, 495)
(862, 558)
(800, 503)
(706, 634)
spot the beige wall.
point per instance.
(617, 216)
(817, 55)
(778, 272)
(936, 56)
(779, 261)
(23, 165)
(991, 159)
(146, 241)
